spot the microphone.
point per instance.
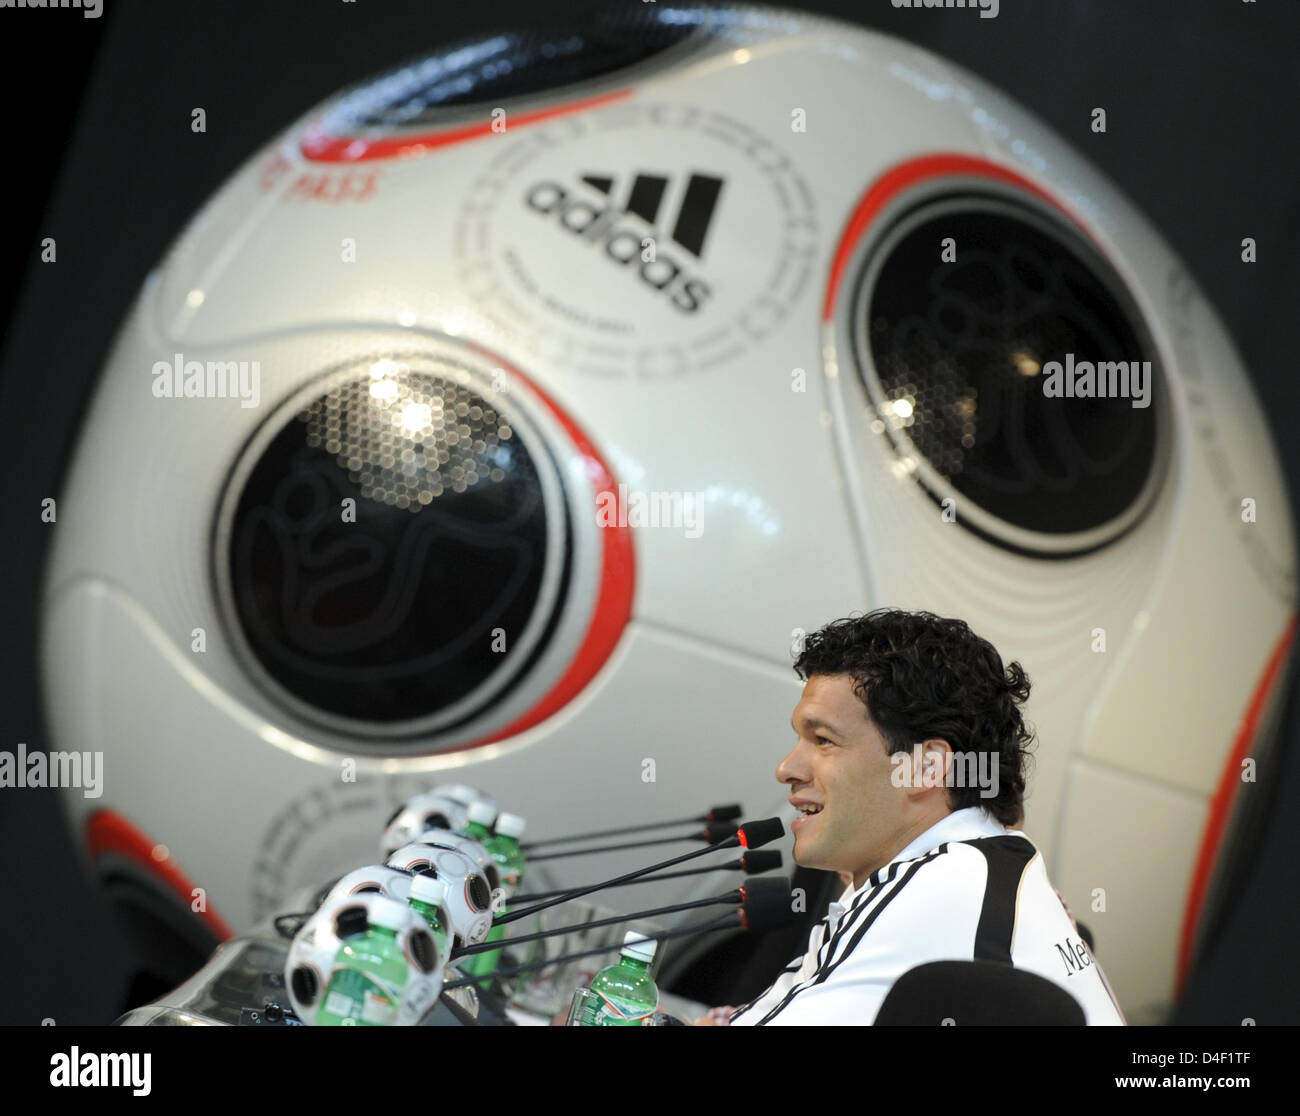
(752, 864)
(761, 894)
(751, 835)
(716, 814)
(763, 913)
(714, 831)
(754, 835)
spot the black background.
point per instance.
(1203, 119)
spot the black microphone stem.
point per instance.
(623, 831)
(730, 866)
(734, 897)
(613, 848)
(523, 912)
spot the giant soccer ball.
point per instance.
(507, 419)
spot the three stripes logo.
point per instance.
(645, 198)
(629, 233)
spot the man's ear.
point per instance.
(932, 760)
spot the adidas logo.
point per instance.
(692, 213)
(694, 210)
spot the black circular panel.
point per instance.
(350, 921)
(423, 950)
(387, 614)
(957, 354)
(305, 984)
(479, 892)
(510, 65)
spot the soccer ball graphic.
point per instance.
(468, 902)
(511, 416)
(314, 950)
(380, 878)
(429, 810)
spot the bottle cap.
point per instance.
(638, 946)
(482, 813)
(510, 825)
(388, 913)
(429, 889)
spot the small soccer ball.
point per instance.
(469, 896)
(313, 956)
(429, 810)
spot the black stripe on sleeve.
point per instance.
(829, 965)
(1008, 858)
(795, 965)
(827, 948)
(860, 904)
(914, 867)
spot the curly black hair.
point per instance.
(922, 677)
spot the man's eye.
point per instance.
(823, 740)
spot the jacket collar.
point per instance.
(961, 825)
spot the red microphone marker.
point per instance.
(755, 834)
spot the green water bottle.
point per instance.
(504, 849)
(426, 898)
(479, 827)
(370, 971)
(623, 995)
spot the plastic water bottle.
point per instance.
(479, 827)
(481, 816)
(426, 897)
(504, 849)
(370, 971)
(623, 995)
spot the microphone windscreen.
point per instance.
(768, 904)
(755, 834)
(718, 831)
(724, 813)
(761, 860)
(771, 885)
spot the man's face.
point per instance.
(840, 762)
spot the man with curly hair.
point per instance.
(908, 770)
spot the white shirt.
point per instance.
(966, 889)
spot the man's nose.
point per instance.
(792, 769)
